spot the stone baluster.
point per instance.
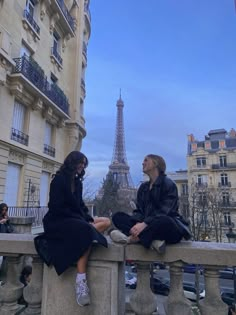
(33, 291)
(212, 303)
(143, 301)
(177, 303)
(12, 290)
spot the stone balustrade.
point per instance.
(48, 294)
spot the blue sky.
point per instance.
(175, 61)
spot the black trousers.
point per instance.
(161, 228)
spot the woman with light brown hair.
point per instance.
(156, 220)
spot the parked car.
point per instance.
(190, 291)
(159, 286)
(227, 297)
(130, 280)
(227, 273)
(191, 268)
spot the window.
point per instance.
(48, 149)
(201, 161)
(56, 42)
(227, 218)
(201, 179)
(24, 51)
(225, 198)
(224, 179)
(223, 161)
(44, 185)
(184, 189)
(18, 124)
(202, 198)
(12, 184)
(30, 6)
(53, 79)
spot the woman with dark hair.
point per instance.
(5, 226)
(156, 220)
(69, 230)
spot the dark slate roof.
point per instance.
(216, 131)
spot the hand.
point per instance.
(137, 229)
(3, 221)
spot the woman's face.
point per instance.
(148, 165)
(4, 210)
(81, 166)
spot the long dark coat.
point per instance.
(67, 229)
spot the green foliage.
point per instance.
(108, 204)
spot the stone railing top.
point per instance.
(204, 253)
(24, 244)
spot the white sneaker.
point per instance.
(159, 246)
(119, 237)
(82, 293)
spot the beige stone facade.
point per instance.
(212, 173)
(43, 46)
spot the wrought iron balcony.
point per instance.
(66, 14)
(49, 150)
(87, 11)
(228, 165)
(222, 185)
(31, 21)
(19, 136)
(35, 74)
(56, 55)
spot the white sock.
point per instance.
(80, 276)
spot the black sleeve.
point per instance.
(87, 216)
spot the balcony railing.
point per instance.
(37, 212)
(35, 74)
(19, 136)
(31, 21)
(66, 14)
(228, 165)
(222, 185)
(49, 150)
(56, 54)
(83, 83)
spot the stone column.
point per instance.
(177, 303)
(212, 303)
(12, 290)
(22, 225)
(143, 301)
(33, 291)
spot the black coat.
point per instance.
(67, 231)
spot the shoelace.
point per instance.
(82, 288)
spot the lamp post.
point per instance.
(231, 239)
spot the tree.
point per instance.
(107, 202)
(208, 208)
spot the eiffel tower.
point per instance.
(119, 168)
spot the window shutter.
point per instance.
(44, 184)
(12, 184)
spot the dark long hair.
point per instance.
(3, 205)
(70, 164)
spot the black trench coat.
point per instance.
(67, 229)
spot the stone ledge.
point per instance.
(208, 253)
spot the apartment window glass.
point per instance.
(223, 161)
(12, 184)
(227, 218)
(19, 113)
(56, 42)
(24, 51)
(201, 161)
(44, 185)
(184, 189)
(224, 179)
(225, 198)
(30, 5)
(202, 179)
(48, 134)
